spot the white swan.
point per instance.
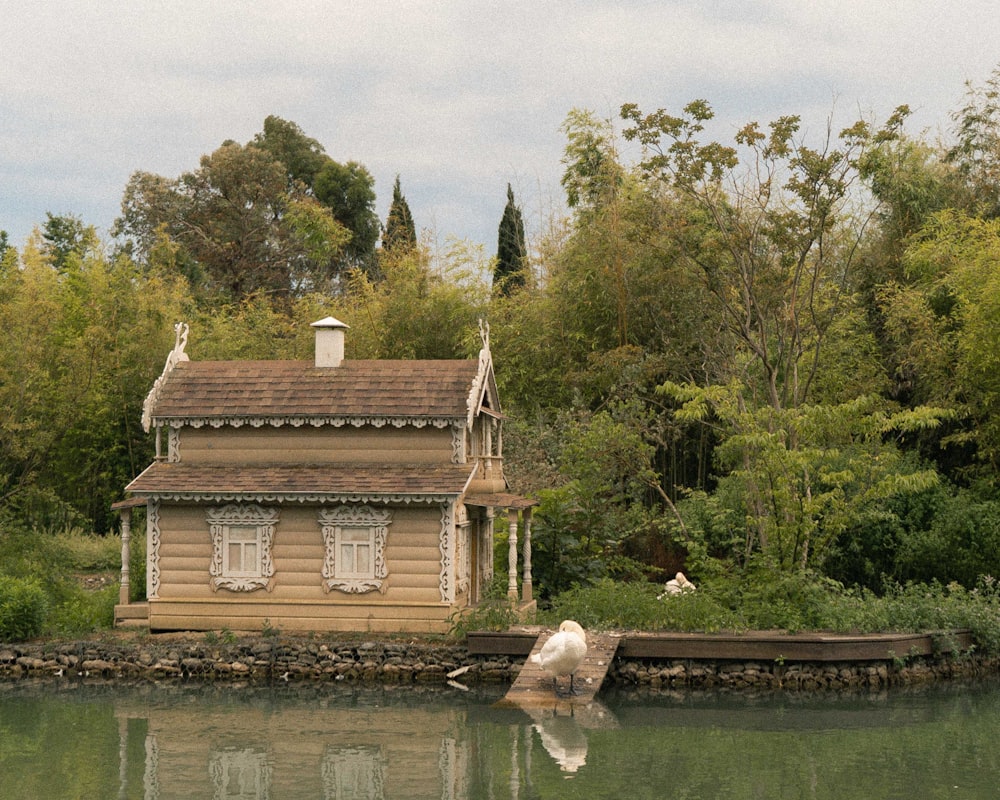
(563, 653)
(679, 584)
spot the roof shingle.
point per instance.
(202, 389)
(193, 480)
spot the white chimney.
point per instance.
(329, 342)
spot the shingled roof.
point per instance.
(180, 480)
(213, 389)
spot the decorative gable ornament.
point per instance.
(173, 357)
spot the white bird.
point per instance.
(563, 653)
(679, 584)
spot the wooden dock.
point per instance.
(533, 687)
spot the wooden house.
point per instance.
(324, 495)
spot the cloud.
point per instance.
(457, 98)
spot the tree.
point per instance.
(302, 155)
(65, 237)
(348, 190)
(797, 478)
(942, 324)
(400, 232)
(976, 153)
(240, 226)
(774, 243)
(511, 271)
(73, 373)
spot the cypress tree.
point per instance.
(400, 232)
(510, 273)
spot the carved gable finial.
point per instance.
(484, 333)
(173, 357)
(485, 365)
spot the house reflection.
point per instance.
(244, 751)
(253, 754)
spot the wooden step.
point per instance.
(533, 687)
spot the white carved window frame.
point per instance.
(240, 523)
(239, 773)
(355, 527)
(354, 771)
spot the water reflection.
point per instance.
(99, 741)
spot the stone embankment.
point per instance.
(799, 676)
(265, 659)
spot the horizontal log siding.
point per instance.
(295, 761)
(297, 600)
(290, 617)
(309, 445)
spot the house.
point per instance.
(323, 495)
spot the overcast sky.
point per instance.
(458, 98)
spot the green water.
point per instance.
(69, 740)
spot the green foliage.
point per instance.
(348, 190)
(511, 271)
(417, 309)
(495, 612)
(23, 608)
(400, 231)
(800, 476)
(609, 604)
(86, 552)
(762, 597)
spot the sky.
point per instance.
(458, 98)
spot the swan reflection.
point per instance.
(564, 740)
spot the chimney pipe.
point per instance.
(329, 342)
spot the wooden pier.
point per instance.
(533, 687)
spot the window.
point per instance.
(242, 536)
(354, 773)
(354, 538)
(240, 774)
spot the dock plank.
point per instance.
(533, 687)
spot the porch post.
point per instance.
(123, 589)
(526, 587)
(512, 555)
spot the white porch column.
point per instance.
(125, 585)
(526, 585)
(512, 555)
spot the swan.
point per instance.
(679, 584)
(563, 653)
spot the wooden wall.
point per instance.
(297, 600)
(408, 741)
(309, 445)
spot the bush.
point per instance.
(634, 606)
(86, 552)
(23, 608)
(494, 613)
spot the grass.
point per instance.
(791, 602)
(57, 563)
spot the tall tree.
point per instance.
(348, 190)
(400, 232)
(302, 155)
(511, 271)
(976, 153)
(66, 236)
(238, 221)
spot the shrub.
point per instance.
(23, 608)
(634, 606)
(89, 553)
(494, 613)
